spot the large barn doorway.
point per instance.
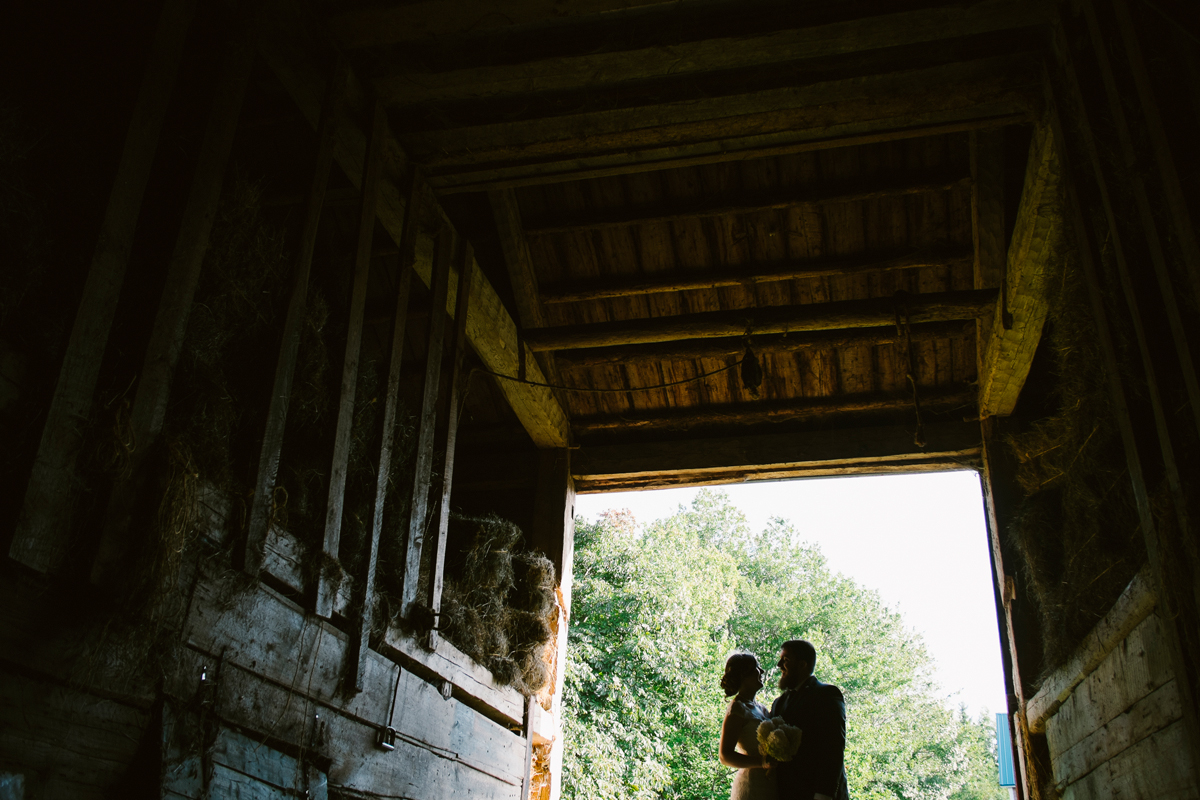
(866, 566)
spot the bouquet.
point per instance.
(777, 740)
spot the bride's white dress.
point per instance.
(750, 784)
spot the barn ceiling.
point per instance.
(830, 187)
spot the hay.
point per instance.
(1077, 529)
(498, 604)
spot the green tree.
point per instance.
(656, 611)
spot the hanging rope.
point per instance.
(904, 330)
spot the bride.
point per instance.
(739, 734)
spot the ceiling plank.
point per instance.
(1037, 243)
(751, 274)
(845, 192)
(749, 457)
(739, 414)
(873, 312)
(775, 343)
(401, 22)
(490, 330)
(730, 37)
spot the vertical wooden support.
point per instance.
(1150, 430)
(170, 324)
(361, 634)
(272, 444)
(326, 588)
(42, 532)
(527, 781)
(449, 424)
(1028, 786)
(423, 466)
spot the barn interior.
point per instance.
(316, 316)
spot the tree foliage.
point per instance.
(655, 611)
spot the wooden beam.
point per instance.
(752, 274)
(326, 587)
(775, 343)
(1006, 355)
(43, 530)
(418, 520)
(448, 422)
(788, 142)
(507, 216)
(361, 638)
(787, 116)
(861, 449)
(424, 19)
(170, 322)
(740, 414)
(490, 329)
(631, 49)
(272, 444)
(874, 312)
(717, 207)
(553, 529)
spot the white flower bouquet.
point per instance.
(777, 740)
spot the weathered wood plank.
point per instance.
(272, 443)
(790, 342)
(773, 452)
(691, 418)
(787, 142)
(711, 39)
(1152, 713)
(43, 528)
(259, 633)
(1135, 668)
(1150, 770)
(326, 590)
(553, 529)
(516, 255)
(988, 226)
(1132, 607)
(170, 323)
(366, 622)
(490, 329)
(418, 520)
(775, 201)
(874, 312)
(449, 435)
(1037, 243)
(753, 274)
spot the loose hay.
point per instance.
(1077, 529)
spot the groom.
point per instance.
(816, 771)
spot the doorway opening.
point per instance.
(889, 576)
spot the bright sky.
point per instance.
(918, 540)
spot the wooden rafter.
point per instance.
(773, 343)
(670, 212)
(825, 452)
(874, 312)
(751, 274)
(738, 414)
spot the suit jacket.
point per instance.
(817, 768)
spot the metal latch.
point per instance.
(386, 739)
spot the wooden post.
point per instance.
(43, 528)
(423, 467)
(449, 424)
(170, 325)
(326, 590)
(527, 781)
(268, 462)
(361, 634)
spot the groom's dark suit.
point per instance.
(820, 712)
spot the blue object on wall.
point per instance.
(1004, 752)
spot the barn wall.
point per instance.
(1112, 716)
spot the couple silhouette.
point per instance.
(816, 770)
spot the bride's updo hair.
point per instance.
(736, 667)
